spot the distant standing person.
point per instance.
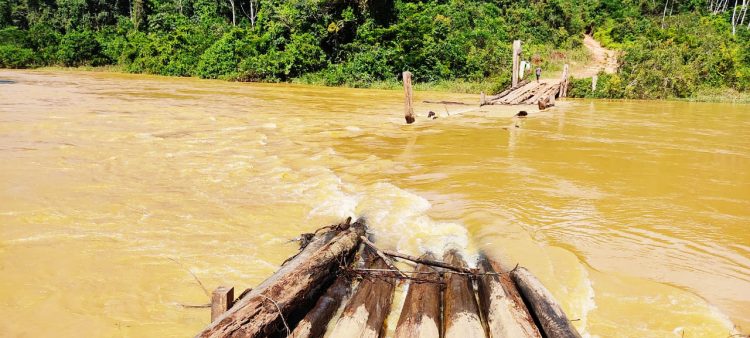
(538, 73)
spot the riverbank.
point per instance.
(715, 95)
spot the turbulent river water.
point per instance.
(114, 188)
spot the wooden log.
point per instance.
(408, 108)
(316, 321)
(221, 300)
(274, 305)
(543, 306)
(502, 306)
(420, 316)
(594, 79)
(516, 62)
(564, 82)
(366, 311)
(461, 312)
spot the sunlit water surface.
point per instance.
(113, 187)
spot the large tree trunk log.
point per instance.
(316, 321)
(365, 313)
(461, 313)
(290, 292)
(420, 316)
(502, 306)
(551, 317)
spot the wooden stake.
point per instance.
(420, 316)
(542, 304)
(461, 312)
(564, 82)
(593, 82)
(408, 108)
(221, 300)
(516, 62)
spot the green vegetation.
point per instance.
(457, 44)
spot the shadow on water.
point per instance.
(2, 81)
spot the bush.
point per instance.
(16, 57)
(80, 48)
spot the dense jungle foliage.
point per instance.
(365, 42)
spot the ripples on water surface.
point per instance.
(635, 214)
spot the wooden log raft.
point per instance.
(272, 306)
(461, 312)
(316, 321)
(545, 309)
(420, 316)
(365, 313)
(501, 305)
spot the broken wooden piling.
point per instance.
(221, 300)
(516, 71)
(408, 107)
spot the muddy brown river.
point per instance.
(114, 188)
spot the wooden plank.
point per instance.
(316, 321)
(221, 300)
(289, 294)
(408, 107)
(502, 306)
(420, 316)
(518, 92)
(365, 313)
(461, 312)
(543, 306)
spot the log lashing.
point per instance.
(526, 92)
(445, 298)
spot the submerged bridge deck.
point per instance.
(525, 92)
(341, 285)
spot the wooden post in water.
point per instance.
(516, 62)
(593, 82)
(408, 108)
(221, 300)
(564, 82)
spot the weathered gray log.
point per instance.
(365, 313)
(292, 290)
(543, 306)
(516, 62)
(420, 316)
(316, 321)
(221, 300)
(408, 107)
(502, 306)
(461, 312)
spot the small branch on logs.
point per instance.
(430, 262)
(385, 259)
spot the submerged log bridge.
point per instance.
(341, 284)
